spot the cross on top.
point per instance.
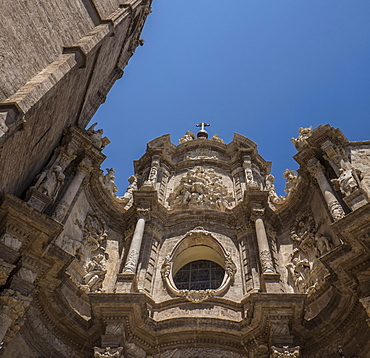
(202, 125)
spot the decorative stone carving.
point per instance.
(5, 269)
(346, 182)
(301, 141)
(292, 181)
(97, 136)
(323, 244)
(94, 233)
(303, 233)
(285, 352)
(108, 181)
(300, 271)
(11, 241)
(153, 174)
(252, 174)
(197, 296)
(217, 138)
(96, 271)
(50, 181)
(201, 188)
(128, 196)
(108, 352)
(266, 262)
(202, 153)
(270, 186)
(189, 136)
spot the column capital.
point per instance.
(314, 167)
(143, 213)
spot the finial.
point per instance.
(202, 133)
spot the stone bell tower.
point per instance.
(199, 258)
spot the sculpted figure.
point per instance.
(50, 181)
(189, 136)
(323, 244)
(285, 352)
(108, 181)
(299, 270)
(292, 180)
(96, 136)
(129, 191)
(217, 138)
(301, 141)
(96, 271)
(346, 182)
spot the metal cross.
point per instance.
(202, 125)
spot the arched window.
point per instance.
(199, 275)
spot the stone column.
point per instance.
(134, 251)
(335, 208)
(263, 246)
(83, 169)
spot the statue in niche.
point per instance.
(201, 187)
(323, 244)
(50, 181)
(301, 141)
(346, 182)
(108, 181)
(96, 271)
(189, 136)
(299, 270)
(128, 196)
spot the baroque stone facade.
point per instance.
(199, 258)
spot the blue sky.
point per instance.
(262, 68)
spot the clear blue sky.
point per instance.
(262, 68)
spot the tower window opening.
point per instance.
(199, 275)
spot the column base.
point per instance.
(126, 282)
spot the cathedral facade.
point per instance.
(200, 257)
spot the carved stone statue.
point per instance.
(201, 187)
(97, 136)
(108, 181)
(217, 138)
(346, 182)
(270, 186)
(189, 136)
(50, 181)
(292, 181)
(299, 270)
(323, 244)
(129, 191)
(301, 141)
(96, 271)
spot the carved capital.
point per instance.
(13, 304)
(285, 352)
(143, 213)
(108, 352)
(314, 167)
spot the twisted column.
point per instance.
(134, 251)
(316, 170)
